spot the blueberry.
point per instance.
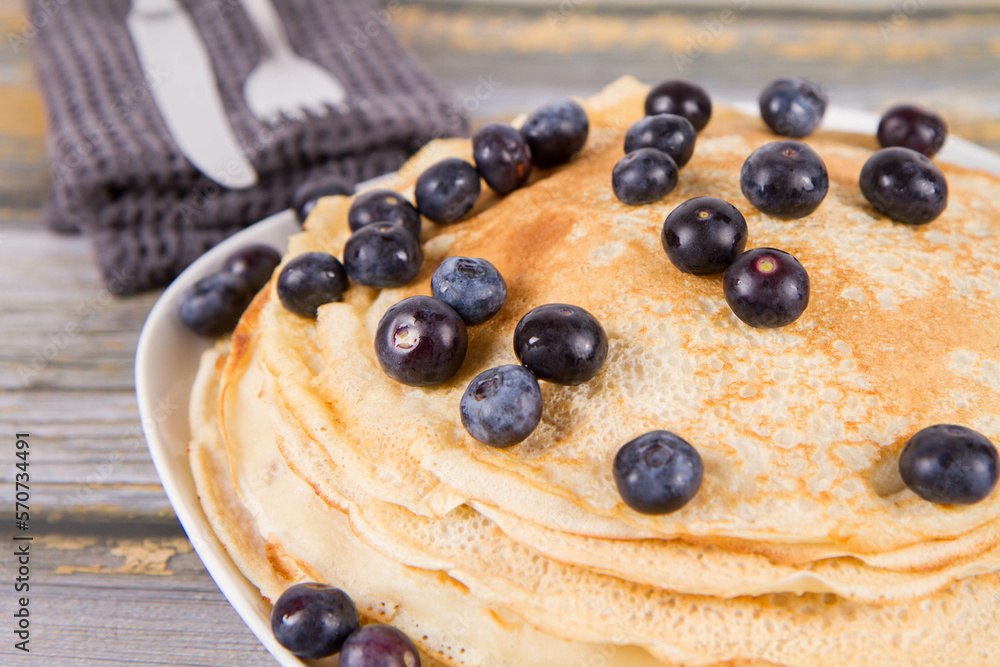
(786, 179)
(384, 254)
(309, 281)
(472, 286)
(644, 176)
(421, 341)
(913, 127)
(766, 288)
(683, 98)
(254, 264)
(904, 185)
(502, 157)
(326, 185)
(793, 107)
(672, 134)
(383, 206)
(704, 235)
(658, 472)
(447, 190)
(502, 406)
(949, 465)
(379, 645)
(214, 304)
(555, 132)
(561, 343)
(313, 620)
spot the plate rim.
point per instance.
(160, 324)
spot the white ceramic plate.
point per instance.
(168, 354)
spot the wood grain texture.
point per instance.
(115, 583)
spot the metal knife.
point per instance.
(186, 94)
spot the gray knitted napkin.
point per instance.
(119, 177)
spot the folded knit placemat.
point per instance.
(119, 177)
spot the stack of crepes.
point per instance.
(803, 547)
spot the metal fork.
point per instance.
(284, 83)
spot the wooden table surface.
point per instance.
(113, 578)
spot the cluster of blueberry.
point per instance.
(316, 621)
(214, 304)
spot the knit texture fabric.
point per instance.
(119, 177)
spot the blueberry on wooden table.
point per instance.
(310, 280)
(375, 206)
(904, 185)
(561, 343)
(502, 406)
(502, 157)
(658, 472)
(421, 341)
(447, 191)
(214, 304)
(785, 179)
(793, 107)
(949, 465)
(670, 133)
(378, 645)
(704, 235)
(766, 288)
(313, 620)
(914, 127)
(644, 176)
(470, 285)
(555, 133)
(683, 98)
(384, 254)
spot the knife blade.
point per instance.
(187, 96)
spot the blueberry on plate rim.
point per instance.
(555, 133)
(502, 406)
(383, 255)
(502, 157)
(421, 341)
(949, 464)
(657, 473)
(470, 285)
(704, 235)
(914, 127)
(213, 305)
(383, 206)
(785, 179)
(684, 98)
(766, 288)
(447, 190)
(310, 280)
(561, 343)
(313, 620)
(254, 264)
(793, 107)
(904, 185)
(644, 176)
(379, 645)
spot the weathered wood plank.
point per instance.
(142, 600)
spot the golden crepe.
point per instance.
(802, 547)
